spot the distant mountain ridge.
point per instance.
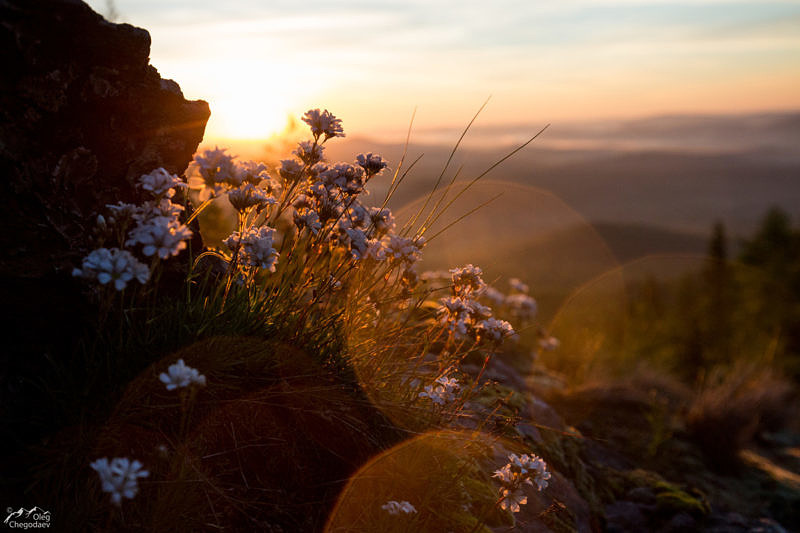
(680, 173)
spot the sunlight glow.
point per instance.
(246, 115)
(255, 62)
(247, 98)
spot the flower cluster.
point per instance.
(517, 285)
(404, 250)
(119, 477)
(392, 507)
(212, 172)
(522, 306)
(247, 183)
(464, 316)
(519, 306)
(254, 247)
(493, 329)
(371, 163)
(327, 204)
(443, 391)
(323, 123)
(159, 235)
(467, 280)
(519, 471)
(156, 228)
(119, 266)
(161, 183)
(247, 196)
(179, 375)
(549, 343)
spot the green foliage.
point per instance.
(711, 316)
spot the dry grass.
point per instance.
(733, 406)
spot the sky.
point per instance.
(372, 64)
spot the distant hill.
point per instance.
(628, 242)
(679, 173)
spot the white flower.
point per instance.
(116, 265)
(309, 152)
(179, 375)
(518, 285)
(444, 390)
(454, 314)
(344, 176)
(494, 330)
(164, 208)
(531, 466)
(159, 235)
(494, 296)
(123, 211)
(362, 247)
(213, 168)
(248, 195)
(326, 202)
(307, 219)
(549, 343)
(395, 247)
(382, 219)
(478, 311)
(290, 170)
(372, 164)
(359, 244)
(523, 305)
(356, 216)
(512, 499)
(254, 247)
(119, 478)
(323, 122)
(520, 470)
(392, 507)
(161, 183)
(252, 172)
(467, 280)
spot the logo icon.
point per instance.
(22, 518)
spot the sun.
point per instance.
(247, 103)
(244, 115)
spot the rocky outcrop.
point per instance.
(82, 115)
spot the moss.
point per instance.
(673, 501)
(642, 478)
(670, 498)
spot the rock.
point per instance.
(499, 370)
(541, 413)
(735, 519)
(681, 523)
(529, 431)
(726, 523)
(624, 516)
(82, 116)
(767, 525)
